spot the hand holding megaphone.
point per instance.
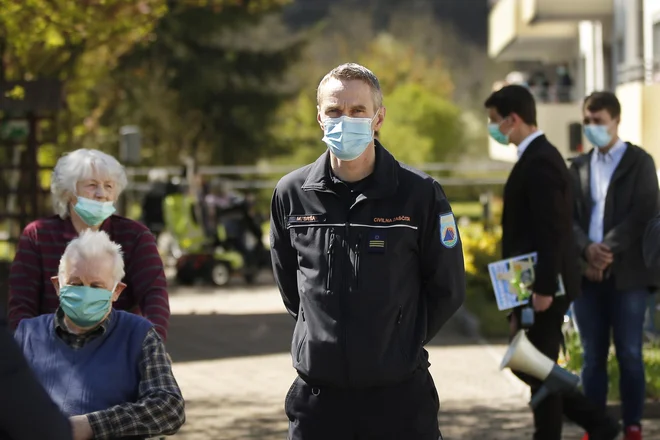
(522, 356)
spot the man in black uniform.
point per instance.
(368, 260)
(538, 217)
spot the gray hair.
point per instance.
(351, 71)
(79, 165)
(92, 244)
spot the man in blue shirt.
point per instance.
(616, 194)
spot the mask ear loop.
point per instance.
(373, 130)
(499, 127)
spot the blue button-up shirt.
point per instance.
(602, 169)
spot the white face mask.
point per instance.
(347, 137)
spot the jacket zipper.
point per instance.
(302, 340)
(357, 261)
(345, 292)
(399, 318)
(330, 249)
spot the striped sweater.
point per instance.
(37, 259)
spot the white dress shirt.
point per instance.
(602, 169)
(528, 140)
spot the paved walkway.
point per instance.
(230, 351)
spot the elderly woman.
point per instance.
(106, 369)
(85, 185)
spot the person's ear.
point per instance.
(56, 283)
(318, 117)
(380, 118)
(118, 290)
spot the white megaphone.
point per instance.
(523, 357)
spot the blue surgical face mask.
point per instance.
(93, 212)
(346, 137)
(84, 305)
(495, 132)
(598, 135)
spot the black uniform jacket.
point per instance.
(369, 282)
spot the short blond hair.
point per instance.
(353, 71)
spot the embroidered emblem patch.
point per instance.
(448, 232)
(377, 242)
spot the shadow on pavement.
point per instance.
(228, 419)
(221, 336)
(473, 420)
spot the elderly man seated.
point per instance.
(106, 369)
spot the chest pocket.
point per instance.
(314, 242)
(382, 257)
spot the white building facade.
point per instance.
(607, 45)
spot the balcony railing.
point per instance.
(550, 93)
(647, 71)
(553, 93)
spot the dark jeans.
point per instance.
(546, 336)
(405, 411)
(602, 310)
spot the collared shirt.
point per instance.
(38, 257)
(528, 140)
(603, 166)
(73, 340)
(159, 409)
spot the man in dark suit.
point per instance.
(537, 217)
(616, 194)
(26, 411)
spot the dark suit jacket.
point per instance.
(651, 244)
(26, 411)
(537, 217)
(632, 200)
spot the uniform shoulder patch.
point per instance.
(448, 231)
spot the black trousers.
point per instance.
(547, 337)
(405, 411)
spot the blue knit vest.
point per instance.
(103, 373)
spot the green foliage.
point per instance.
(573, 360)
(480, 248)
(46, 38)
(421, 126)
(211, 52)
(208, 85)
(396, 62)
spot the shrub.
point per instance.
(480, 248)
